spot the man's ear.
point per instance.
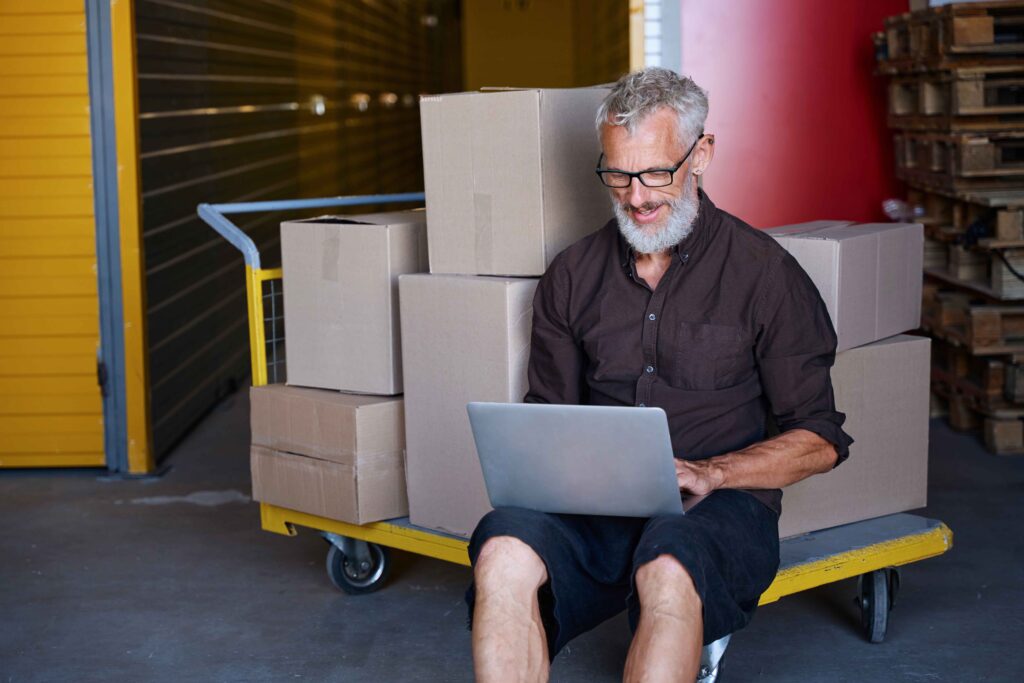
(703, 154)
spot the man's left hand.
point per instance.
(697, 477)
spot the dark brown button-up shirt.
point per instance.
(734, 331)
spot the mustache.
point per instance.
(646, 206)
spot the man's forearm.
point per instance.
(773, 463)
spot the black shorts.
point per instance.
(729, 543)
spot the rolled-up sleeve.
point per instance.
(556, 359)
(795, 349)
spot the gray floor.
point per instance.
(109, 580)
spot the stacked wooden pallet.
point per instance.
(956, 110)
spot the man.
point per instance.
(680, 305)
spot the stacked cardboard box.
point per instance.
(955, 109)
(509, 184)
(314, 449)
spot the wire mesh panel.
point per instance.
(273, 328)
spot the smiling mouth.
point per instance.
(645, 213)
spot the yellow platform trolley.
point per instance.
(358, 557)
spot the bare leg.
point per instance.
(509, 642)
(667, 643)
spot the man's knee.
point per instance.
(506, 562)
(665, 580)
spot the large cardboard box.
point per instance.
(869, 275)
(883, 389)
(358, 495)
(341, 298)
(467, 338)
(509, 178)
(330, 454)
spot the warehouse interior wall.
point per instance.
(544, 44)
(798, 116)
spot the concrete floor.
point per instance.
(110, 580)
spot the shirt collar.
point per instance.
(690, 245)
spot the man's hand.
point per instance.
(697, 477)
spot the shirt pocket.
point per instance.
(709, 357)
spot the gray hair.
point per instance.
(639, 94)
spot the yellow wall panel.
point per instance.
(49, 460)
(44, 85)
(55, 365)
(55, 206)
(34, 148)
(53, 45)
(46, 246)
(47, 386)
(34, 404)
(24, 346)
(75, 186)
(68, 105)
(63, 307)
(49, 226)
(31, 65)
(22, 126)
(13, 425)
(48, 286)
(50, 442)
(48, 266)
(84, 324)
(47, 167)
(43, 25)
(40, 6)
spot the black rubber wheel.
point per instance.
(875, 604)
(356, 580)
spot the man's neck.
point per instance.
(651, 267)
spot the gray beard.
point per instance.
(675, 230)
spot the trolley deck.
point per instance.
(357, 560)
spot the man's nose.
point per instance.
(637, 193)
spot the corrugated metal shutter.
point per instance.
(51, 411)
(250, 100)
(601, 40)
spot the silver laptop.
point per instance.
(587, 460)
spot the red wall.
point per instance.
(798, 115)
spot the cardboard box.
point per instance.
(868, 274)
(341, 298)
(324, 424)
(509, 178)
(883, 389)
(368, 492)
(467, 338)
(330, 454)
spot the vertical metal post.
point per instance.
(108, 253)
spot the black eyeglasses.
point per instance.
(655, 177)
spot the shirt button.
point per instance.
(643, 405)
(649, 369)
(652, 317)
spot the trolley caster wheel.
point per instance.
(877, 597)
(360, 568)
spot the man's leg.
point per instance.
(668, 638)
(509, 643)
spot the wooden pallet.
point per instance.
(997, 217)
(961, 163)
(952, 35)
(987, 98)
(1002, 434)
(989, 273)
(984, 330)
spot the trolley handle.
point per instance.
(214, 215)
